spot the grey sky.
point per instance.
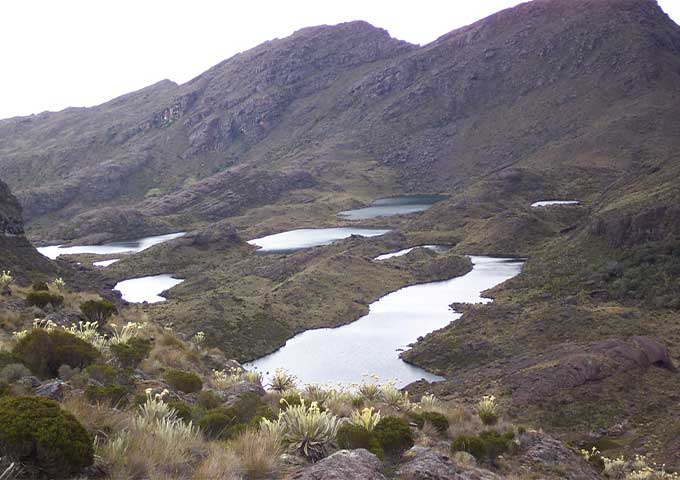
(64, 53)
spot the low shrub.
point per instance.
(182, 410)
(208, 400)
(43, 352)
(13, 372)
(488, 445)
(131, 353)
(182, 381)
(97, 310)
(471, 444)
(226, 422)
(291, 398)
(394, 435)
(43, 299)
(114, 395)
(38, 433)
(8, 358)
(351, 437)
(220, 424)
(437, 420)
(40, 287)
(106, 374)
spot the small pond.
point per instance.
(552, 203)
(400, 205)
(111, 248)
(293, 240)
(434, 248)
(146, 289)
(371, 345)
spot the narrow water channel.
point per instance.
(371, 345)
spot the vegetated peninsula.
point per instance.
(547, 134)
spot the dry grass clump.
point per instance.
(156, 445)
(221, 463)
(258, 452)
(99, 419)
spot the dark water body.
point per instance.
(400, 205)
(371, 345)
(111, 248)
(293, 240)
(146, 289)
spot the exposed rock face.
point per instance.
(426, 464)
(344, 465)
(568, 365)
(543, 454)
(539, 90)
(16, 253)
(10, 213)
(651, 224)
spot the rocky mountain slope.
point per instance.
(572, 97)
(552, 99)
(18, 255)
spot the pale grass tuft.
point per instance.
(220, 464)
(258, 452)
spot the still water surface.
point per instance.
(371, 345)
(111, 248)
(293, 240)
(146, 289)
(400, 205)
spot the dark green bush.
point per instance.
(437, 420)
(487, 446)
(40, 287)
(471, 444)
(219, 424)
(186, 382)
(352, 436)
(107, 374)
(394, 435)
(8, 358)
(5, 389)
(37, 432)
(42, 299)
(44, 352)
(226, 422)
(208, 399)
(114, 395)
(131, 353)
(97, 310)
(248, 406)
(182, 410)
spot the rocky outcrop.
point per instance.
(16, 253)
(647, 225)
(541, 454)
(535, 376)
(423, 463)
(11, 222)
(344, 465)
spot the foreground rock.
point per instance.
(344, 465)
(427, 464)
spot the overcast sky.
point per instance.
(57, 54)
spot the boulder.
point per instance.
(53, 389)
(543, 454)
(344, 465)
(233, 392)
(424, 463)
